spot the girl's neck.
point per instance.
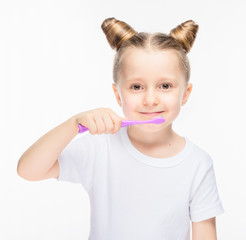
(146, 139)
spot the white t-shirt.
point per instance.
(134, 196)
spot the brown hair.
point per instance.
(121, 37)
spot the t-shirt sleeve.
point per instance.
(205, 201)
(78, 159)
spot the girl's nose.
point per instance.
(150, 98)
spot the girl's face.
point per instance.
(151, 84)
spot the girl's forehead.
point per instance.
(146, 56)
(149, 62)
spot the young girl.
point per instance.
(145, 182)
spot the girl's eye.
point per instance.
(137, 87)
(166, 85)
(134, 86)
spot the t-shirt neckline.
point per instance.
(152, 161)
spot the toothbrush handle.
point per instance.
(82, 128)
(131, 122)
(124, 123)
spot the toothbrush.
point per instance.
(124, 123)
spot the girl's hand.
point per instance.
(99, 120)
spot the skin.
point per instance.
(152, 81)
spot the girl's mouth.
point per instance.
(152, 113)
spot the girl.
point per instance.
(144, 181)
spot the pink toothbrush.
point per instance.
(124, 123)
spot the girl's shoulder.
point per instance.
(200, 154)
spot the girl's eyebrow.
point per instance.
(169, 79)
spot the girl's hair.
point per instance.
(122, 37)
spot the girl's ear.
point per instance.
(186, 93)
(116, 93)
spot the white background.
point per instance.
(55, 62)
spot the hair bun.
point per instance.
(185, 34)
(116, 32)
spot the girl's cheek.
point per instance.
(130, 106)
(130, 101)
(170, 101)
(172, 106)
(125, 101)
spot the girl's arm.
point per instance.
(39, 161)
(204, 230)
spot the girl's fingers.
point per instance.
(92, 126)
(101, 128)
(100, 120)
(109, 124)
(116, 120)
